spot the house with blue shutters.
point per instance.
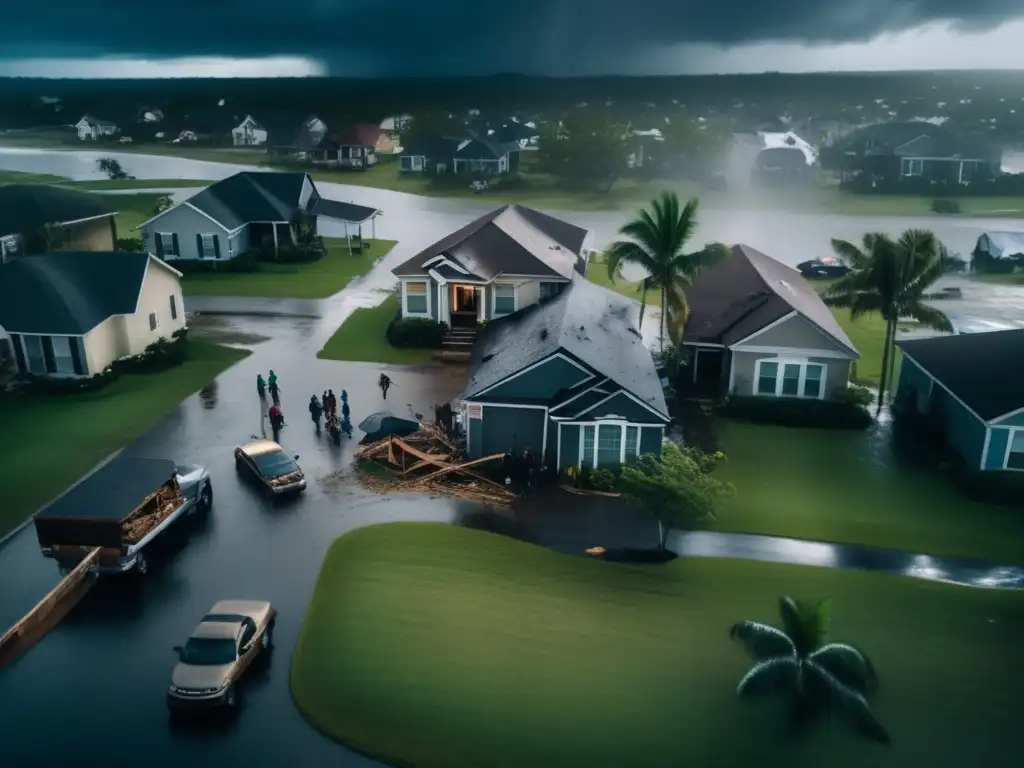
(568, 378)
(971, 387)
(243, 212)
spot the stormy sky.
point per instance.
(94, 38)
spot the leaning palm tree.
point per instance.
(656, 242)
(799, 659)
(891, 277)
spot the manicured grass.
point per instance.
(908, 205)
(1008, 278)
(316, 280)
(361, 338)
(103, 184)
(133, 210)
(850, 486)
(597, 272)
(54, 440)
(440, 647)
(22, 177)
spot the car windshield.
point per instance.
(275, 464)
(208, 651)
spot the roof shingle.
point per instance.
(251, 196)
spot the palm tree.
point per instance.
(815, 672)
(656, 242)
(891, 277)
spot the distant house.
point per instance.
(920, 150)
(486, 157)
(569, 379)
(395, 124)
(428, 155)
(998, 252)
(525, 135)
(758, 328)
(248, 133)
(94, 128)
(357, 147)
(295, 138)
(494, 266)
(86, 219)
(73, 314)
(971, 388)
(241, 212)
(207, 125)
(785, 157)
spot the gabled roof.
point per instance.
(746, 292)
(438, 147)
(25, 207)
(594, 325)
(484, 149)
(985, 371)
(919, 139)
(97, 121)
(511, 240)
(69, 294)
(358, 135)
(350, 212)
(1004, 244)
(251, 196)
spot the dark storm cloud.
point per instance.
(459, 36)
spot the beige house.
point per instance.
(73, 314)
(757, 328)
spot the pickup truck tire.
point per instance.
(141, 564)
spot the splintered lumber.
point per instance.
(156, 509)
(460, 467)
(427, 457)
(422, 464)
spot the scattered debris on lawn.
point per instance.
(429, 462)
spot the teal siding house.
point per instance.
(570, 379)
(973, 385)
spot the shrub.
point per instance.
(854, 394)
(797, 412)
(601, 479)
(415, 333)
(44, 385)
(245, 262)
(130, 245)
(945, 206)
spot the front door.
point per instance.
(465, 305)
(708, 365)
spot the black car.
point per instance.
(276, 470)
(826, 268)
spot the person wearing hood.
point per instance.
(315, 411)
(261, 386)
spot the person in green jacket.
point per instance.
(261, 386)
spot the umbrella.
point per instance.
(379, 425)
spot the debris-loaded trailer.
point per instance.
(120, 509)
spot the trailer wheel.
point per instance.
(141, 564)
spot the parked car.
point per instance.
(219, 651)
(825, 268)
(272, 467)
(479, 186)
(122, 508)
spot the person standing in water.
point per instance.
(315, 411)
(261, 386)
(385, 384)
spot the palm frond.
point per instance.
(769, 675)
(929, 316)
(626, 252)
(762, 641)
(806, 623)
(849, 254)
(851, 702)
(848, 664)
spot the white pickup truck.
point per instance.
(121, 509)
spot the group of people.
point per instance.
(270, 385)
(520, 470)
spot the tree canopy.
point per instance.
(588, 149)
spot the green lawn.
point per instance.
(440, 647)
(597, 272)
(909, 205)
(361, 338)
(22, 177)
(1008, 278)
(133, 210)
(838, 485)
(103, 184)
(54, 440)
(315, 280)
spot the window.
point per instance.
(609, 444)
(174, 308)
(63, 357)
(587, 454)
(1015, 450)
(550, 290)
(504, 298)
(209, 247)
(411, 163)
(168, 244)
(632, 441)
(34, 359)
(783, 378)
(248, 633)
(416, 299)
(912, 167)
(154, 321)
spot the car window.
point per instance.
(247, 634)
(207, 651)
(275, 464)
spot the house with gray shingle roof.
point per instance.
(568, 378)
(242, 212)
(758, 328)
(998, 252)
(497, 264)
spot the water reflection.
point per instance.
(775, 549)
(208, 395)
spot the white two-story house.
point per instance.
(498, 264)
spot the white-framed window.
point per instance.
(154, 321)
(63, 360)
(587, 440)
(632, 441)
(168, 244)
(608, 442)
(504, 299)
(411, 163)
(1015, 450)
(789, 378)
(416, 299)
(32, 346)
(209, 250)
(549, 290)
(911, 166)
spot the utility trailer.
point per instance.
(121, 509)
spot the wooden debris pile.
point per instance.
(152, 512)
(428, 462)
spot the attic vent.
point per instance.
(487, 358)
